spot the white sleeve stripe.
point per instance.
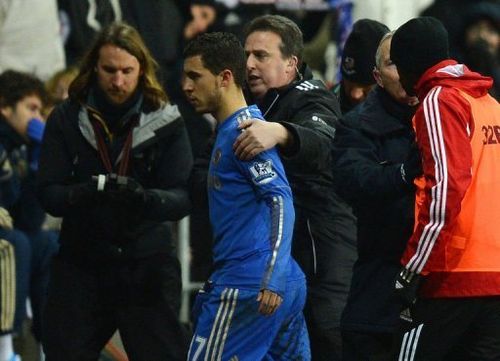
(439, 191)
(279, 236)
(427, 115)
(429, 235)
(434, 151)
(431, 226)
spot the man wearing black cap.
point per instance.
(451, 259)
(358, 61)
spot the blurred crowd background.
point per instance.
(47, 38)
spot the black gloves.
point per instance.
(406, 286)
(412, 167)
(111, 187)
(122, 189)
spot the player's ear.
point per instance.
(226, 77)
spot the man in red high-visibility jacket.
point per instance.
(452, 258)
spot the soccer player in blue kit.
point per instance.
(251, 308)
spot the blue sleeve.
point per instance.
(267, 176)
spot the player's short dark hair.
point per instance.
(219, 51)
(15, 85)
(292, 42)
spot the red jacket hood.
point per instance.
(448, 73)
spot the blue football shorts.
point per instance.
(228, 326)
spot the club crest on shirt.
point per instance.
(262, 172)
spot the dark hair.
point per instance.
(219, 51)
(125, 37)
(15, 85)
(292, 42)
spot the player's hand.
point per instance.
(258, 137)
(269, 302)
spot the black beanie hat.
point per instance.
(419, 44)
(358, 57)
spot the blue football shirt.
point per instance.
(252, 214)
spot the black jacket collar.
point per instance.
(380, 113)
(274, 94)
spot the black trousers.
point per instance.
(452, 329)
(366, 346)
(326, 255)
(140, 298)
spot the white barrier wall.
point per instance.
(393, 13)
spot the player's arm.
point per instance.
(304, 138)
(267, 176)
(260, 136)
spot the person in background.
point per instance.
(58, 84)
(114, 164)
(481, 41)
(22, 97)
(30, 39)
(450, 275)
(373, 144)
(9, 279)
(358, 61)
(255, 279)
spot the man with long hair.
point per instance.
(114, 164)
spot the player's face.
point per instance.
(388, 78)
(266, 67)
(200, 86)
(20, 114)
(118, 73)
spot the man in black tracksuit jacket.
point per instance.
(375, 162)
(116, 268)
(323, 243)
